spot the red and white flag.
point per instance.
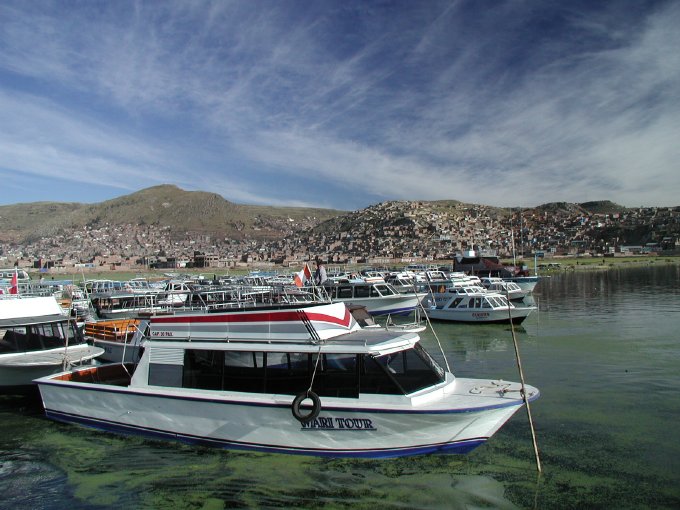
(302, 276)
(14, 283)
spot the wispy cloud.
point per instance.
(345, 104)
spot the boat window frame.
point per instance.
(42, 336)
(403, 374)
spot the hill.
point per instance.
(165, 205)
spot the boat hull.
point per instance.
(118, 351)
(526, 283)
(18, 370)
(484, 316)
(344, 427)
(399, 304)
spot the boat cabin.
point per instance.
(47, 328)
(344, 369)
(349, 289)
(484, 301)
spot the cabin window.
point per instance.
(288, 373)
(38, 337)
(244, 371)
(410, 370)
(345, 292)
(258, 372)
(374, 379)
(362, 291)
(384, 290)
(168, 375)
(336, 376)
(203, 369)
(456, 302)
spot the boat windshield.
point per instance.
(412, 369)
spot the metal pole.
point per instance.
(521, 378)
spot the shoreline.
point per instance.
(566, 264)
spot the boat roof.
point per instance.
(18, 311)
(377, 341)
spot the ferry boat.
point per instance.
(508, 289)
(37, 338)
(526, 283)
(378, 296)
(313, 382)
(473, 304)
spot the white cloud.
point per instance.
(433, 101)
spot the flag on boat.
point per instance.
(302, 276)
(14, 283)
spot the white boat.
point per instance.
(476, 305)
(526, 283)
(316, 383)
(379, 297)
(120, 339)
(508, 289)
(37, 339)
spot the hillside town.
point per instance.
(389, 233)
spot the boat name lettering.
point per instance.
(326, 423)
(480, 314)
(161, 333)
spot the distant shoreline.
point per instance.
(565, 264)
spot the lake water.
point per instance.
(604, 349)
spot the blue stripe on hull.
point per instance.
(515, 320)
(394, 311)
(456, 447)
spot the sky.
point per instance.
(342, 104)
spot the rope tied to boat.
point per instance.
(499, 387)
(316, 366)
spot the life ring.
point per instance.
(316, 406)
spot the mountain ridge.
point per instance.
(184, 211)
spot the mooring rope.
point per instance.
(316, 365)
(429, 323)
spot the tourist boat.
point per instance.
(526, 283)
(123, 304)
(472, 304)
(120, 339)
(314, 382)
(37, 338)
(378, 296)
(509, 289)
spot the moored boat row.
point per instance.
(276, 368)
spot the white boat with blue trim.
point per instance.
(475, 305)
(314, 383)
(37, 338)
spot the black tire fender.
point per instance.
(313, 413)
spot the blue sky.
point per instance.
(342, 104)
